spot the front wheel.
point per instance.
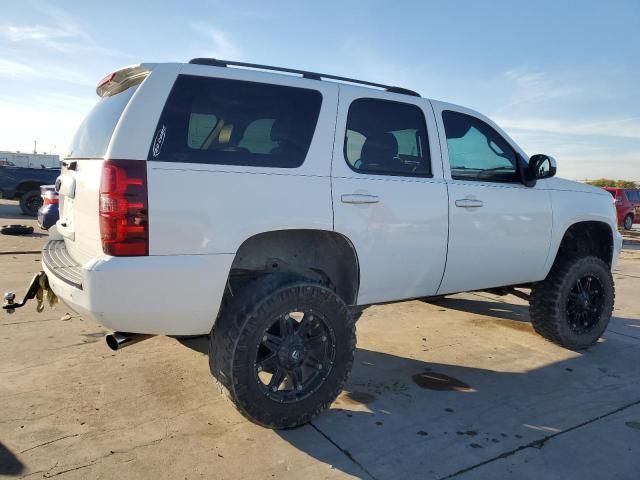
(282, 350)
(628, 222)
(573, 305)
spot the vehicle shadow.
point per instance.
(401, 414)
(9, 463)
(197, 343)
(397, 412)
(489, 308)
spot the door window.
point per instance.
(386, 138)
(477, 151)
(633, 196)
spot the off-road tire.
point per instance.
(16, 230)
(548, 302)
(234, 339)
(628, 222)
(28, 201)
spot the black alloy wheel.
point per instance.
(584, 304)
(294, 356)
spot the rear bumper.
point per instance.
(160, 295)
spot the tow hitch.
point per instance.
(38, 288)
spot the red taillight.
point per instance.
(124, 220)
(49, 198)
(106, 80)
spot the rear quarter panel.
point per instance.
(212, 209)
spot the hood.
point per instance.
(556, 183)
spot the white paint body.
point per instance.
(413, 242)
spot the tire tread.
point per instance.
(546, 302)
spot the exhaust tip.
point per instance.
(112, 343)
(118, 340)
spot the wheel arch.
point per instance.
(26, 186)
(324, 255)
(586, 237)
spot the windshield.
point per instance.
(94, 134)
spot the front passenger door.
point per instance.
(499, 229)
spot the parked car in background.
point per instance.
(627, 201)
(23, 184)
(48, 213)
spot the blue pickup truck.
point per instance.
(23, 184)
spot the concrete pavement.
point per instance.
(462, 388)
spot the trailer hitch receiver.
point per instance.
(10, 304)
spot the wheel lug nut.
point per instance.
(324, 338)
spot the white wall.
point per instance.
(30, 160)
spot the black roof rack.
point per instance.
(214, 62)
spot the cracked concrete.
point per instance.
(500, 402)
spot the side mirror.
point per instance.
(541, 166)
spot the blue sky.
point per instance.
(561, 77)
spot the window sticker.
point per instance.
(159, 140)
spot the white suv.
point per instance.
(266, 210)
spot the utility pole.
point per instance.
(35, 145)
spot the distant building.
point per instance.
(33, 160)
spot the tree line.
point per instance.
(608, 182)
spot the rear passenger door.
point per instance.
(389, 195)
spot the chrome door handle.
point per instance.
(359, 198)
(469, 203)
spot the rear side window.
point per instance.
(94, 133)
(230, 122)
(386, 138)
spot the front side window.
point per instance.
(477, 151)
(230, 122)
(386, 138)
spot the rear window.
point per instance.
(94, 134)
(230, 122)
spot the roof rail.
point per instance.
(214, 62)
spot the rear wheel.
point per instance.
(30, 202)
(628, 222)
(282, 350)
(573, 305)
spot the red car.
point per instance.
(627, 202)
